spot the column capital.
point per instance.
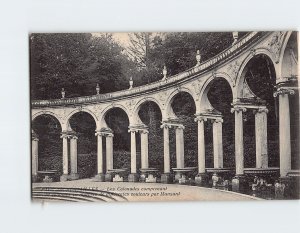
(179, 127)
(237, 108)
(105, 132)
(138, 129)
(283, 91)
(144, 131)
(217, 120)
(170, 125)
(68, 134)
(74, 137)
(200, 118)
(166, 125)
(261, 110)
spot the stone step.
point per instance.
(58, 196)
(70, 194)
(99, 195)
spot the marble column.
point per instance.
(284, 131)
(133, 152)
(261, 138)
(144, 148)
(166, 149)
(201, 145)
(133, 174)
(73, 156)
(99, 153)
(109, 151)
(179, 146)
(100, 174)
(34, 155)
(201, 178)
(65, 154)
(239, 183)
(239, 140)
(218, 143)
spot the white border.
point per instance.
(18, 18)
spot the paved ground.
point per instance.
(154, 191)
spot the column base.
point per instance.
(166, 178)
(108, 177)
(73, 176)
(133, 177)
(64, 177)
(287, 188)
(99, 177)
(34, 178)
(239, 184)
(201, 179)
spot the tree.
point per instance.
(76, 62)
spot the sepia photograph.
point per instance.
(164, 116)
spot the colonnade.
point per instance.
(70, 138)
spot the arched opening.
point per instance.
(183, 106)
(84, 125)
(259, 74)
(220, 97)
(150, 114)
(118, 121)
(48, 130)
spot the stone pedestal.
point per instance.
(73, 176)
(166, 178)
(108, 177)
(34, 178)
(133, 177)
(239, 184)
(99, 177)
(63, 177)
(201, 179)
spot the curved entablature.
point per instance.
(202, 69)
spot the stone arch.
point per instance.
(284, 45)
(168, 112)
(139, 104)
(67, 118)
(288, 63)
(48, 113)
(203, 100)
(242, 70)
(102, 122)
